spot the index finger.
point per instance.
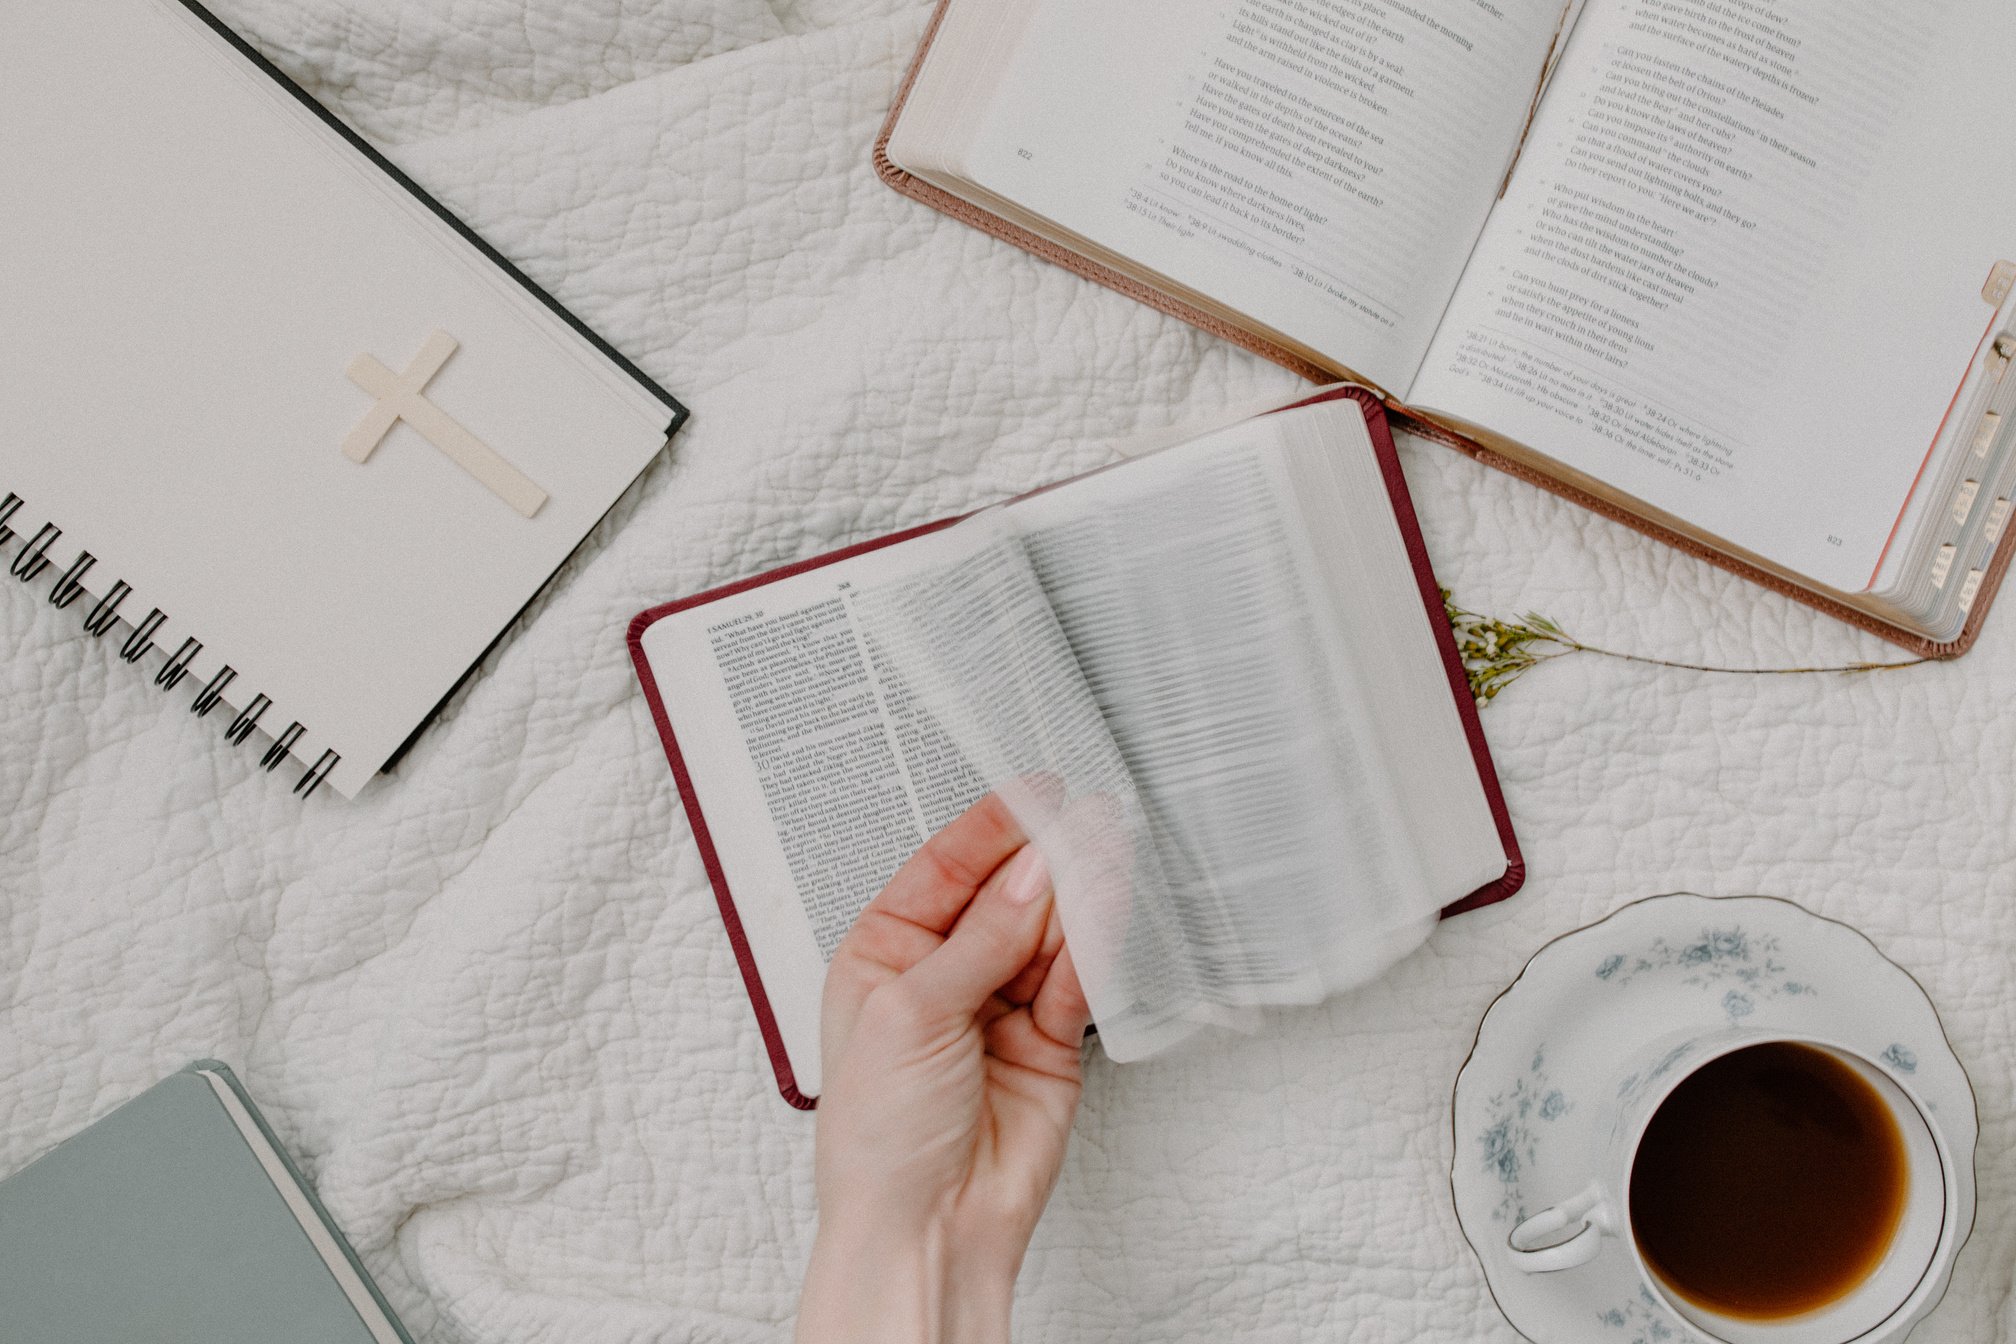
(940, 880)
(909, 918)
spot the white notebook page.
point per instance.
(192, 261)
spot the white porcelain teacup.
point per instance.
(1571, 1232)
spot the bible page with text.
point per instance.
(1320, 168)
(817, 774)
(1737, 274)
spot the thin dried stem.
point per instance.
(1497, 652)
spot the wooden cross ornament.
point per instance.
(401, 396)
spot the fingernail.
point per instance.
(1027, 877)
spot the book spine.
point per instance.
(32, 561)
(218, 1073)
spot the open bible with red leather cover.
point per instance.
(1235, 642)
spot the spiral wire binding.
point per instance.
(282, 745)
(173, 670)
(71, 586)
(105, 611)
(33, 559)
(213, 690)
(142, 638)
(317, 772)
(248, 719)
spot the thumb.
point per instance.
(998, 935)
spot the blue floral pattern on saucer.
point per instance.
(1641, 1320)
(1750, 963)
(1508, 1140)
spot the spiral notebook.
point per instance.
(281, 431)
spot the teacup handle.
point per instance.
(1532, 1247)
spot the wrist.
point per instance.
(877, 1286)
(978, 1304)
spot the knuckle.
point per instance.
(900, 1007)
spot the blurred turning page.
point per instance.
(1213, 682)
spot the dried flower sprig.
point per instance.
(1497, 652)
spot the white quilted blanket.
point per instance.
(490, 1005)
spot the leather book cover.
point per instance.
(1431, 598)
(987, 222)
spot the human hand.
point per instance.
(951, 1045)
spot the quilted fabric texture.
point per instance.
(490, 1005)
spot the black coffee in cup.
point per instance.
(1769, 1183)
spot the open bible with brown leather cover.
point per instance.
(1715, 271)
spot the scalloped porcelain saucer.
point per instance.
(1559, 1036)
